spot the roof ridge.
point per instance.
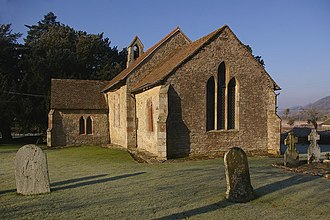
(140, 59)
(203, 40)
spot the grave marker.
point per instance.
(314, 151)
(31, 171)
(291, 155)
(239, 188)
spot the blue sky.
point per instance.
(293, 37)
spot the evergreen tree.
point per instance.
(55, 50)
(10, 78)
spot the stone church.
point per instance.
(179, 98)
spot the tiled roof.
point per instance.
(77, 94)
(183, 54)
(173, 62)
(122, 75)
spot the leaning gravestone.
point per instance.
(291, 155)
(314, 151)
(239, 188)
(31, 171)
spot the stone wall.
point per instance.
(64, 130)
(166, 50)
(146, 136)
(187, 102)
(118, 116)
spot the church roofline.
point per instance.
(123, 74)
(159, 74)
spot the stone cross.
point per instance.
(291, 155)
(239, 188)
(31, 171)
(314, 151)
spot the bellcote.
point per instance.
(135, 49)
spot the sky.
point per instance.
(293, 37)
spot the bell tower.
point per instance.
(135, 49)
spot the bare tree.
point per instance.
(313, 115)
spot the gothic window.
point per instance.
(89, 125)
(81, 125)
(221, 96)
(231, 103)
(150, 119)
(221, 101)
(210, 104)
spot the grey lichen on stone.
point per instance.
(31, 171)
(239, 188)
(291, 155)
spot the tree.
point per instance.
(258, 58)
(291, 121)
(313, 115)
(9, 78)
(286, 113)
(55, 50)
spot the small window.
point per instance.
(136, 52)
(81, 125)
(89, 125)
(150, 119)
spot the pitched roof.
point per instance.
(122, 75)
(183, 54)
(77, 94)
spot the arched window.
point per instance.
(210, 104)
(136, 52)
(150, 119)
(89, 125)
(221, 96)
(231, 103)
(81, 125)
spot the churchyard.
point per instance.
(92, 182)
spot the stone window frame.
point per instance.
(82, 125)
(116, 110)
(89, 131)
(149, 115)
(225, 113)
(83, 129)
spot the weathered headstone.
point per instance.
(239, 188)
(31, 171)
(314, 151)
(291, 155)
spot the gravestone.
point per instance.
(31, 171)
(314, 151)
(239, 188)
(291, 155)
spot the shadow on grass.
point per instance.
(198, 211)
(90, 182)
(64, 182)
(279, 185)
(58, 185)
(259, 192)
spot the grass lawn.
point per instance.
(99, 183)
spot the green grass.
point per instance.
(99, 183)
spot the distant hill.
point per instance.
(321, 105)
